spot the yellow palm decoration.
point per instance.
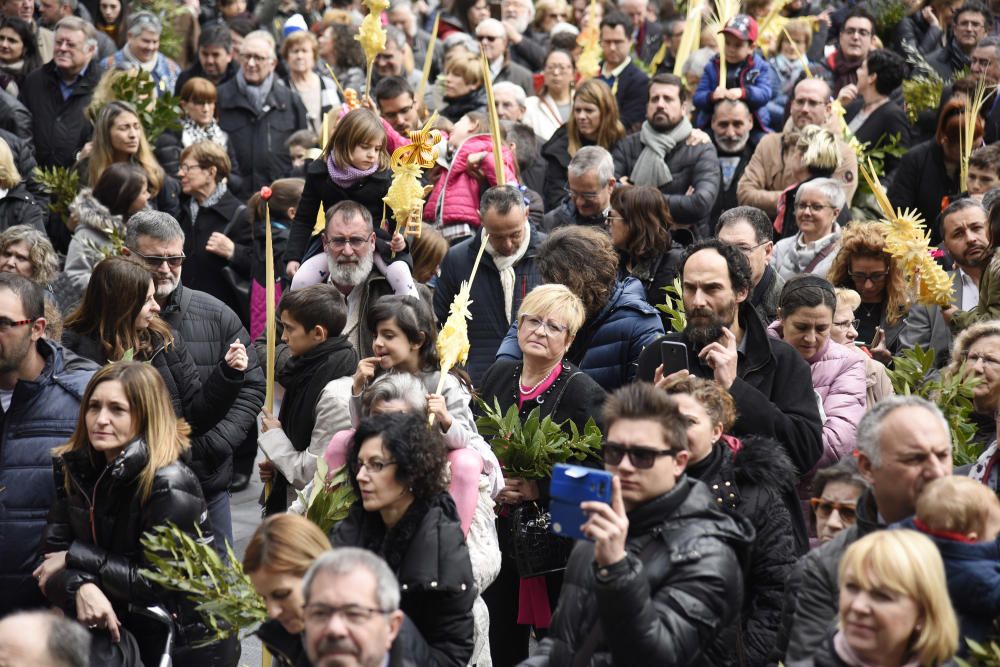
(406, 196)
(967, 130)
(691, 35)
(908, 242)
(453, 341)
(725, 10)
(589, 63)
(372, 35)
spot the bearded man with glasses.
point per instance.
(640, 592)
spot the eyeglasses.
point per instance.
(184, 168)
(862, 278)
(860, 32)
(489, 38)
(374, 467)
(586, 196)
(353, 614)
(970, 359)
(642, 458)
(847, 324)
(356, 242)
(812, 208)
(747, 249)
(254, 57)
(6, 324)
(534, 324)
(154, 261)
(824, 508)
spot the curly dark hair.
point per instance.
(584, 260)
(419, 452)
(739, 265)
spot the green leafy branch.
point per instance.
(673, 305)
(914, 374)
(158, 111)
(62, 183)
(223, 595)
(887, 146)
(331, 497)
(530, 450)
(921, 90)
(980, 656)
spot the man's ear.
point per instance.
(742, 295)
(38, 328)
(865, 467)
(680, 462)
(395, 625)
(126, 251)
(319, 333)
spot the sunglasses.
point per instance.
(824, 508)
(642, 458)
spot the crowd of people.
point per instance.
(669, 242)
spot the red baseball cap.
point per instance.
(743, 26)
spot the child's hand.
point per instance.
(236, 357)
(697, 137)
(734, 94)
(718, 94)
(268, 421)
(398, 243)
(291, 268)
(436, 406)
(364, 373)
(266, 469)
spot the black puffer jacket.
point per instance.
(207, 327)
(665, 608)
(654, 273)
(757, 482)
(18, 207)
(99, 520)
(427, 551)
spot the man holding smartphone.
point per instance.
(726, 341)
(662, 576)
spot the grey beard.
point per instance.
(350, 274)
(732, 146)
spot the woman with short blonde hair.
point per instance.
(894, 607)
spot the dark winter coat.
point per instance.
(489, 322)
(19, 207)
(456, 107)
(427, 552)
(42, 415)
(202, 406)
(773, 390)
(99, 520)
(259, 139)
(207, 327)
(757, 482)
(304, 379)
(921, 182)
(631, 91)
(662, 608)
(23, 151)
(60, 128)
(608, 345)
(691, 167)
(203, 269)
(887, 120)
(813, 589)
(14, 116)
(321, 190)
(566, 214)
(765, 295)
(197, 70)
(948, 59)
(918, 33)
(555, 152)
(654, 273)
(727, 196)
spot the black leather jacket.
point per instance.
(99, 516)
(668, 606)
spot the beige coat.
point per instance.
(776, 165)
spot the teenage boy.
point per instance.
(748, 76)
(313, 321)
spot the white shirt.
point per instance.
(970, 291)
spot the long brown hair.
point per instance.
(611, 130)
(647, 217)
(867, 239)
(115, 294)
(153, 419)
(103, 155)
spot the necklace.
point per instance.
(531, 390)
(871, 310)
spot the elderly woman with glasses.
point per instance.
(978, 348)
(817, 204)
(548, 320)
(404, 513)
(863, 265)
(208, 213)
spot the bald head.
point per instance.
(41, 639)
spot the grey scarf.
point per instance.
(256, 94)
(651, 167)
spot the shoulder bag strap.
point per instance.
(819, 257)
(558, 398)
(596, 634)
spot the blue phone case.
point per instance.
(572, 485)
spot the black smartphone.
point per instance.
(673, 356)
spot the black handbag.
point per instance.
(537, 550)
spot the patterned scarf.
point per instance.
(192, 133)
(345, 178)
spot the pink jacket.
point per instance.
(458, 191)
(840, 381)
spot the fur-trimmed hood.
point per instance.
(763, 462)
(94, 215)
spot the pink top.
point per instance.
(539, 389)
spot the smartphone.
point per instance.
(570, 486)
(673, 356)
